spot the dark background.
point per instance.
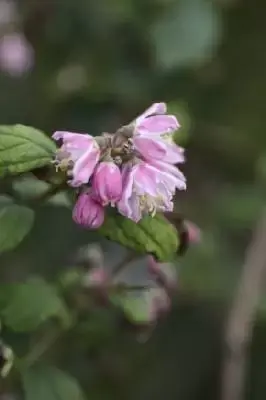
(92, 66)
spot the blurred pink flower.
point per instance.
(97, 277)
(79, 152)
(107, 182)
(194, 232)
(16, 54)
(88, 212)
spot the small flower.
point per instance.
(152, 136)
(79, 153)
(107, 182)
(88, 212)
(144, 193)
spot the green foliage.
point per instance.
(28, 188)
(23, 148)
(16, 222)
(44, 382)
(25, 306)
(186, 34)
(154, 235)
(137, 308)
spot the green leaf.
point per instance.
(29, 304)
(139, 307)
(16, 222)
(23, 148)
(49, 383)
(154, 235)
(135, 308)
(28, 187)
(186, 34)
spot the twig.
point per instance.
(241, 319)
(41, 347)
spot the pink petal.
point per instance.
(156, 108)
(145, 179)
(174, 154)
(84, 167)
(157, 124)
(150, 148)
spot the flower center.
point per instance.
(148, 204)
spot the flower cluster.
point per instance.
(133, 169)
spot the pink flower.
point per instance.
(88, 212)
(79, 151)
(107, 182)
(152, 136)
(16, 54)
(145, 191)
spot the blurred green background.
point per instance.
(90, 66)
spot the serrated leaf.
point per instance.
(23, 148)
(154, 235)
(16, 222)
(186, 34)
(29, 304)
(49, 383)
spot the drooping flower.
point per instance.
(145, 191)
(153, 135)
(88, 212)
(107, 182)
(79, 153)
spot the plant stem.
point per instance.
(239, 327)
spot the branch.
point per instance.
(239, 327)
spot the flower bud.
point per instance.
(107, 182)
(194, 233)
(88, 212)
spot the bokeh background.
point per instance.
(90, 66)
